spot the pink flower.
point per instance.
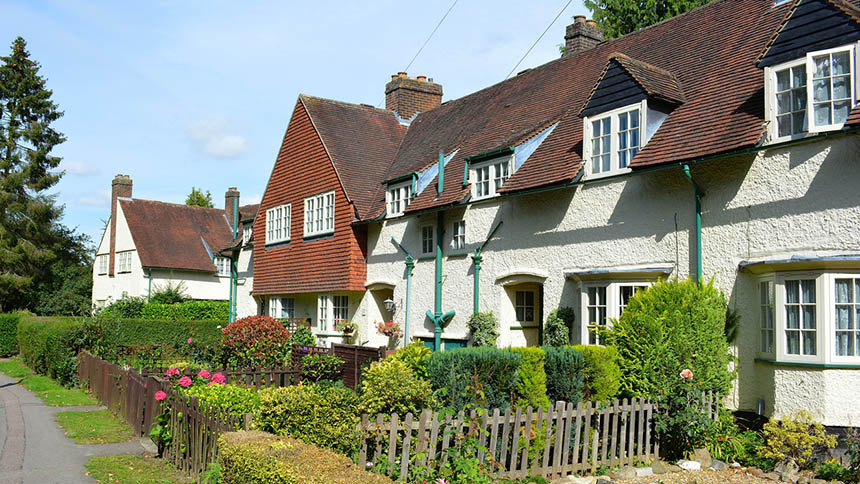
(211, 383)
(185, 382)
(204, 374)
(189, 340)
(160, 395)
(442, 480)
(172, 372)
(687, 373)
(219, 378)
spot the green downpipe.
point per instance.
(477, 259)
(410, 264)
(149, 289)
(440, 231)
(699, 195)
(440, 187)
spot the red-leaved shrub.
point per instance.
(255, 341)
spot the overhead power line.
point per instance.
(538, 39)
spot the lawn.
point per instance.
(96, 427)
(134, 469)
(51, 392)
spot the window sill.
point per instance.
(275, 245)
(275, 242)
(323, 235)
(810, 364)
(608, 174)
(331, 335)
(426, 257)
(523, 327)
(459, 254)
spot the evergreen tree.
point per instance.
(198, 199)
(620, 17)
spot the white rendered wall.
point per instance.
(246, 304)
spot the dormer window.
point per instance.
(613, 139)
(489, 176)
(398, 198)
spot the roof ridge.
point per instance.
(196, 207)
(366, 107)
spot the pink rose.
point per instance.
(185, 382)
(687, 373)
(160, 395)
(204, 374)
(219, 378)
(189, 340)
(172, 372)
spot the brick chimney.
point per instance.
(407, 96)
(581, 35)
(229, 197)
(121, 187)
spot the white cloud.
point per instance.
(212, 137)
(79, 168)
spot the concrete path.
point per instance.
(35, 450)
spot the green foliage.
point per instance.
(255, 341)
(49, 347)
(303, 337)
(169, 293)
(620, 17)
(258, 458)
(129, 307)
(321, 415)
(681, 423)
(138, 308)
(232, 399)
(602, 372)
(391, 386)
(9, 334)
(733, 324)
(726, 442)
(495, 369)
(797, 436)
(212, 474)
(136, 469)
(565, 371)
(318, 367)
(531, 378)
(556, 331)
(198, 199)
(833, 471)
(415, 355)
(668, 327)
(65, 289)
(484, 328)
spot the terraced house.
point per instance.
(719, 144)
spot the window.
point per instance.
(596, 312)
(525, 306)
(482, 185)
(331, 310)
(811, 94)
(323, 311)
(500, 174)
(458, 241)
(248, 230)
(282, 307)
(278, 221)
(490, 177)
(800, 324)
(613, 139)
(766, 317)
(603, 301)
(427, 246)
(223, 266)
(847, 313)
(340, 310)
(124, 261)
(319, 214)
(398, 199)
(102, 264)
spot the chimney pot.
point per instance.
(578, 19)
(581, 35)
(422, 78)
(401, 74)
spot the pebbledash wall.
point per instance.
(246, 305)
(774, 204)
(198, 285)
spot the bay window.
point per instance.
(602, 302)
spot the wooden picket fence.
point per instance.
(248, 377)
(519, 443)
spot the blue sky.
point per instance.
(199, 93)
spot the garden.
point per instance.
(651, 395)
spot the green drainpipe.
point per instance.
(410, 264)
(436, 316)
(149, 290)
(699, 195)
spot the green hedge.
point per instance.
(453, 372)
(565, 369)
(138, 308)
(531, 378)
(9, 334)
(602, 372)
(261, 458)
(48, 346)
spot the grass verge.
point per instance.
(96, 427)
(134, 469)
(51, 392)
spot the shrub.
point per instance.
(415, 355)
(317, 367)
(232, 399)
(602, 372)
(531, 378)
(668, 327)
(681, 422)
(494, 369)
(303, 336)
(257, 458)
(391, 386)
(322, 415)
(484, 328)
(797, 436)
(187, 311)
(557, 328)
(169, 293)
(127, 307)
(833, 471)
(255, 341)
(47, 345)
(9, 334)
(726, 442)
(565, 368)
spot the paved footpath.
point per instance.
(35, 450)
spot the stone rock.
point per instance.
(802, 480)
(604, 480)
(735, 464)
(673, 468)
(773, 476)
(575, 480)
(816, 481)
(689, 465)
(755, 471)
(719, 465)
(786, 466)
(703, 457)
(625, 472)
(644, 471)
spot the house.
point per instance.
(148, 245)
(722, 144)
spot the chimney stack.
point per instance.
(231, 207)
(408, 96)
(121, 187)
(581, 35)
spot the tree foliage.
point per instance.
(198, 199)
(620, 17)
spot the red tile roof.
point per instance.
(853, 119)
(173, 236)
(658, 83)
(248, 212)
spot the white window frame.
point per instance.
(330, 310)
(319, 214)
(247, 231)
(613, 304)
(397, 198)
(488, 176)
(821, 324)
(428, 229)
(124, 261)
(614, 169)
(458, 235)
(279, 304)
(807, 60)
(222, 265)
(278, 222)
(767, 317)
(339, 309)
(102, 264)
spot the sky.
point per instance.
(199, 93)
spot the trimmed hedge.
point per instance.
(48, 346)
(261, 458)
(602, 372)
(565, 368)
(9, 334)
(451, 372)
(138, 308)
(531, 381)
